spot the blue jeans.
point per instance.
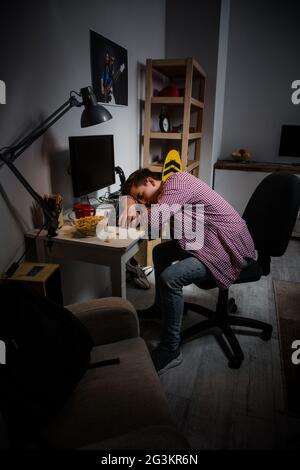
(169, 281)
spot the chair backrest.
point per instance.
(271, 213)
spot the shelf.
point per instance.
(199, 69)
(166, 135)
(174, 135)
(264, 167)
(177, 101)
(197, 103)
(156, 167)
(167, 100)
(176, 68)
(190, 166)
(195, 135)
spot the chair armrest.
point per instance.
(108, 320)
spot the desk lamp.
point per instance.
(92, 114)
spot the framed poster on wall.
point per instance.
(109, 70)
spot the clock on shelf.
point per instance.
(164, 122)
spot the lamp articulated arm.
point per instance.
(9, 155)
(16, 150)
(92, 114)
(51, 217)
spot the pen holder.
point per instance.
(54, 202)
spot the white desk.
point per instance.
(113, 253)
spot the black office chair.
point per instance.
(270, 216)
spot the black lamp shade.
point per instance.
(93, 112)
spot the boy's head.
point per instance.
(143, 185)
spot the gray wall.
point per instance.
(263, 61)
(44, 50)
(192, 29)
(221, 80)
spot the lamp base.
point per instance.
(12, 269)
(51, 232)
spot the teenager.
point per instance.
(219, 251)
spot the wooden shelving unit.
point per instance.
(190, 72)
(186, 74)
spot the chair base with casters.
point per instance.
(221, 318)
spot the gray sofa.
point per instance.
(120, 406)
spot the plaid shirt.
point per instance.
(226, 237)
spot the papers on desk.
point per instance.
(106, 233)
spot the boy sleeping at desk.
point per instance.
(218, 248)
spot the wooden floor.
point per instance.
(219, 408)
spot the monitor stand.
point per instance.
(115, 196)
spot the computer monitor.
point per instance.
(92, 163)
(290, 141)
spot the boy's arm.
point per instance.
(170, 203)
(127, 211)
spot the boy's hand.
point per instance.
(129, 213)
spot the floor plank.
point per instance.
(249, 433)
(179, 408)
(219, 408)
(254, 394)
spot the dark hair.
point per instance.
(139, 177)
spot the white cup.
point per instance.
(102, 229)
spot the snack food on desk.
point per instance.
(87, 225)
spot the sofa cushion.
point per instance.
(108, 320)
(111, 401)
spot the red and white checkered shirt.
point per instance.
(226, 237)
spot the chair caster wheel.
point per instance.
(234, 363)
(266, 334)
(232, 307)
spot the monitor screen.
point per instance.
(290, 141)
(92, 163)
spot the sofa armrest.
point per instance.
(108, 320)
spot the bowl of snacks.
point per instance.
(86, 226)
(241, 156)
